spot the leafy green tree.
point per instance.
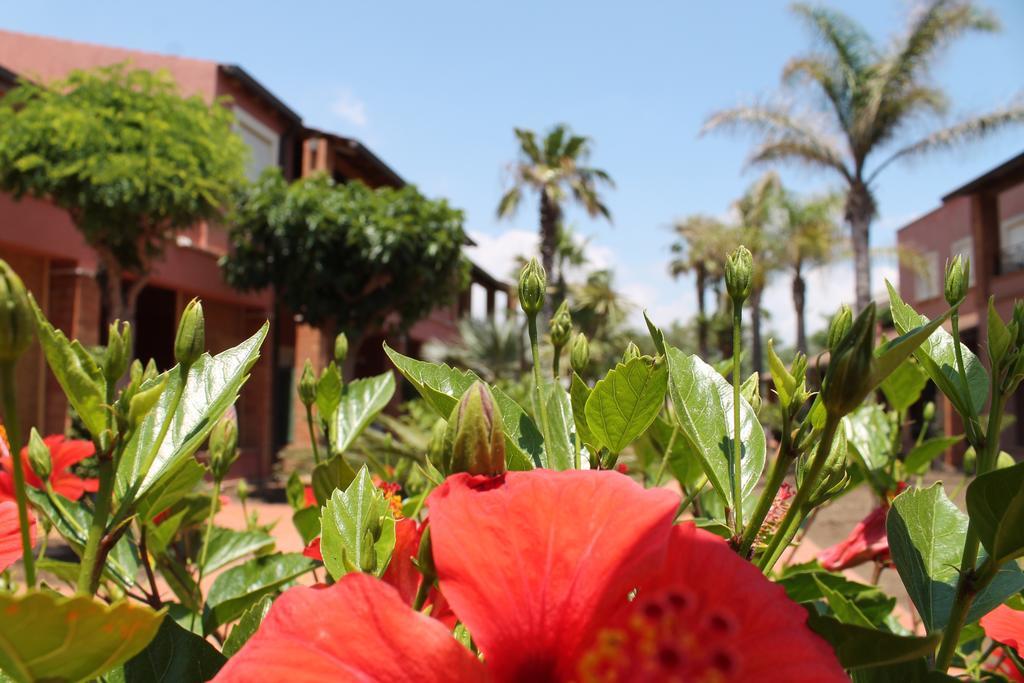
(555, 169)
(130, 159)
(345, 254)
(871, 100)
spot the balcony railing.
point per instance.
(1011, 258)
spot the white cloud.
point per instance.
(350, 108)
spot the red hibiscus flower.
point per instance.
(63, 454)
(308, 497)
(539, 566)
(10, 533)
(866, 543)
(1006, 625)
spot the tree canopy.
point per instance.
(129, 158)
(346, 253)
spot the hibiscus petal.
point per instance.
(401, 573)
(1005, 625)
(707, 614)
(67, 452)
(866, 542)
(10, 534)
(531, 562)
(355, 630)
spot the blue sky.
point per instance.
(435, 89)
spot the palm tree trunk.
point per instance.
(756, 351)
(550, 215)
(860, 208)
(799, 301)
(702, 318)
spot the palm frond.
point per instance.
(553, 144)
(801, 152)
(972, 129)
(509, 203)
(847, 41)
(528, 144)
(578, 147)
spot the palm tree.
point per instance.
(555, 169)
(759, 210)
(808, 236)
(871, 99)
(493, 349)
(698, 250)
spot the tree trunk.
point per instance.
(860, 208)
(120, 304)
(550, 215)
(702, 318)
(799, 301)
(756, 352)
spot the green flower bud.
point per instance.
(17, 321)
(340, 349)
(632, 351)
(739, 274)
(437, 451)
(307, 385)
(425, 557)
(533, 283)
(118, 354)
(367, 553)
(39, 455)
(190, 341)
(242, 490)
(841, 323)
(849, 368)
(475, 438)
(928, 412)
(958, 272)
(561, 326)
(579, 353)
(223, 446)
(1018, 320)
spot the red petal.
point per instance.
(66, 452)
(308, 497)
(707, 614)
(312, 551)
(865, 543)
(6, 485)
(356, 630)
(532, 562)
(401, 573)
(10, 534)
(1005, 625)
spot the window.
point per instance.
(1011, 241)
(261, 140)
(926, 284)
(965, 248)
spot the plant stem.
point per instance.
(737, 449)
(92, 559)
(664, 458)
(555, 362)
(796, 511)
(206, 547)
(154, 592)
(970, 584)
(312, 434)
(537, 380)
(690, 499)
(421, 594)
(10, 402)
(776, 476)
(972, 426)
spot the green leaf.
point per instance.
(349, 517)
(844, 609)
(579, 392)
(926, 539)
(307, 523)
(238, 588)
(361, 401)
(295, 491)
(995, 503)
(858, 646)
(938, 359)
(869, 431)
(76, 371)
(920, 457)
(328, 392)
(624, 403)
(169, 490)
(175, 655)
(441, 387)
(893, 353)
(657, 336)
(561, 442)
(336, 473)
(702, 404)
(915, 671)
(47, 637)
(246, 626)
(212, 386)
(228, 545)
(903, 387)
(804, 583)
(72, 523)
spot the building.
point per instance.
(984, 221)
(42, 245)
